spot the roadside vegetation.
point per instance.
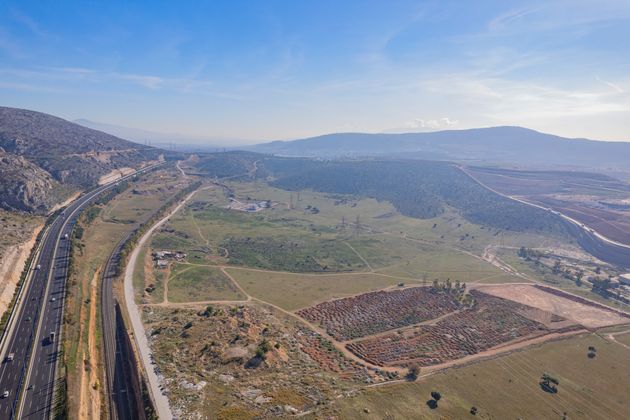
(99, 229)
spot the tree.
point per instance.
(548, 383)
(262, 349)
(414, 372)
(556, 267)
(436, 395)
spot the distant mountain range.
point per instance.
(180, 142)
(44, 158)
(510, 146)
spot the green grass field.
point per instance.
(191, 283)
(292, 239)
(374, 216)
(139, 273)
(206, 228)
(508, 387)
(294, 291)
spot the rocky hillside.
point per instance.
(43, 157)
(24, 185)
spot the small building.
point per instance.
(625, 279)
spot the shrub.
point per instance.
(414, 372)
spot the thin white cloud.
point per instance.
(509, 100)
(431, 124)
(612, 85)
(10, 46)
(29, 23)
(150, 82)
(504, 20)
(71, 75)
(26, 87)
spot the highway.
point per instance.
(31, 374)
(590, 240)
(122, 381)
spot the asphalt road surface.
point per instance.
(39, 313)
(122, 387)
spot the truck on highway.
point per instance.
(52, 337)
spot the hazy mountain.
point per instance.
(43, 158)
(178, 141)
(503, 145)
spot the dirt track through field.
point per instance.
(588, 316)
(367, 264)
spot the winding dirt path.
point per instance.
(162, 404)
(367, 264)
(611, 337)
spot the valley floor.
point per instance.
(209, 316)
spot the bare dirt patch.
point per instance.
(587, 315)
(11, 266)
(114, 175)
(89, 397)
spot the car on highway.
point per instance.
(10, 357)
(30, 387)
(5, 394)
(52, 299)
(28, 319)
(38, 267)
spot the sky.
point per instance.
(266, 70)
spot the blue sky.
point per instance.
(287, 69)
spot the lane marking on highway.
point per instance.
(28, 287)
(18, 309)
(47, 293)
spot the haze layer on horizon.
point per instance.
(290, 69)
